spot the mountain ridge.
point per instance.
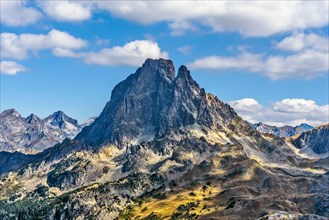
(33, 134)
(164, 148)
(284, 131)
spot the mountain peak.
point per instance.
(153, 99)
(184, 73)
(58, 118)
(10, 111)
(59, 113)
(32, 118)
(183, 70)
(305, 126)
(154, 68)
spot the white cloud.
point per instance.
(17, 13)
(11, 68)
(301, 41)
(306, 64)
(181, 27)
(64, 52)
(252, 18)
(295, 105)
(19, 46)
(63, 44)
(285, 112)
(244, 60)
(131, 54)
(186, 50)
(66, 10)
(255, 18)
(310, 59)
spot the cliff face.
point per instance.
(153, 102)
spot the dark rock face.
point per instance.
(153, 100)
(316, 139)
(13, 161)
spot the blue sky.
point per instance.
(269, 60)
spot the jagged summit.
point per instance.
(59, 118)
(158, 68)
(33, 119)
(305, 126)
(154, 101)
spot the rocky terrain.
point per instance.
(317, 140)
(285, 131)
(163, 148)
(32, 134)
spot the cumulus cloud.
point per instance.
(255, 18)
(11, 68)
(309, 60)
(244, 60)
(285, 112)
(66, 10)
(181, 27)
(17, 13)
(131, 54)
(295, 106)
(301, 41)
(63, 44)
(19, 46)
(64, 52)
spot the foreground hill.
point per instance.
(163, 148)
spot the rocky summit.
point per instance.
(151, 103)
(163, 148)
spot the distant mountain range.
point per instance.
(284, 131)
(164, 148)
(311, 141)
(32, 134)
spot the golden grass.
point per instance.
(164, 208)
